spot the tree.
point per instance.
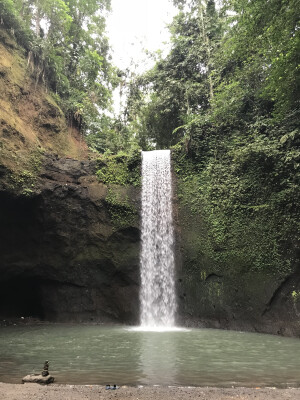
(68, 51)
(179, 88)
(258, 60)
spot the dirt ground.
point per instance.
(32, 391)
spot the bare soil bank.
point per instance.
(93, 392)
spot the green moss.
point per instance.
(215, 292)
(122, 212)
(25, 180)
(295, 296)
(203, 275)
(118, 172)
(121, 169)
(224, 227)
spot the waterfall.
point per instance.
(158, 304)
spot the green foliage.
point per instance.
(121, 169)
(122, 212)
(232, 69)
(11, 20)
(109, 134)
(295, 296)
(70, 55)
(262, 50)
(165, 100)
(228, 94)
(247, 200)
(25, 181)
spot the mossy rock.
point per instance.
(122, 209)
(121, 169)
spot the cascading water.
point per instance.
(158, 304)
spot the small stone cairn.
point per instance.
(44, 378)
(45, 371)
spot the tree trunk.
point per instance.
(207, 47)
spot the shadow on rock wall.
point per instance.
(62, 257)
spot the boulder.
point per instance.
(38, 378)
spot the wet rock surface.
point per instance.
(35, 378)
(62, 256)
(230, 295)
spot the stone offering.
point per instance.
(38, 378)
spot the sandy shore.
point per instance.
(33, 391)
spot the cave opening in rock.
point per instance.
(20, 229)
(21, 298)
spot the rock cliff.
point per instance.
(69, 243)
(63, 257)
(227, 274)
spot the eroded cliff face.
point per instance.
(63, 257)
(31, 122)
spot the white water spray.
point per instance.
(158, 304)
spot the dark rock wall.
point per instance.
(230, 293)
(62, 257)
(70, 252)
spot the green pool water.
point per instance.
(94, 354)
